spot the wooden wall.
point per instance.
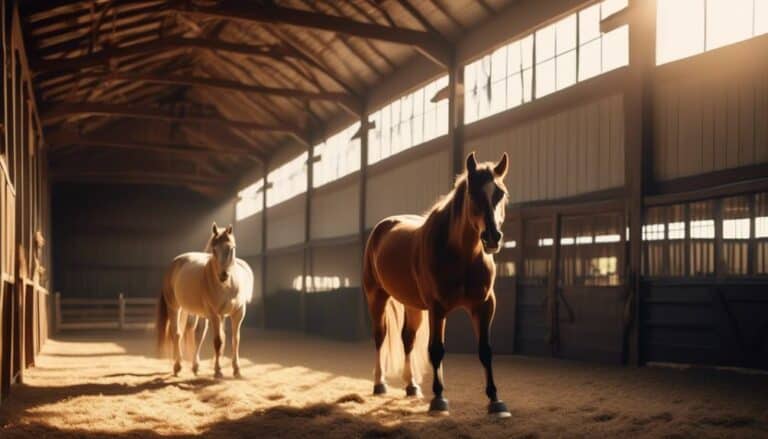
(285, 223)
(25, 267)
(705, 123)
(248, 234)
(576, 151)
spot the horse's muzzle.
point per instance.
(491, 240)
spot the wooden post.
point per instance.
(362, 201)
(57, 311)
(121, 311)
(456, 115)
(552, 286)
(638, 132)
(263, 316)
(307, 237)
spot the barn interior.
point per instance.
(635, 258)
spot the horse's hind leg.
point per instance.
(377, 301)
(178, 323)
(199, 337)
(411, 324)
(236, 320)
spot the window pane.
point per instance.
(566, 70)
(515, 90)
(679, 29)
(610, 7)
(527, 85)
(616, 49)
(545, 78)
(566, 34)
(527, 50)
(728, 21)
(514, 57)
(589, 24)
(590, 60)
(761, 17)
(545, 43)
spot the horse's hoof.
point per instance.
(218, 374)
(176, 369)
(237, 374)
(379, 389)
(413, 391)
(498, 409)
(195, 368)
(438, 406)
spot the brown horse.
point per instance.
(438, 262)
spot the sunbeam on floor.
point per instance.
(101, 385)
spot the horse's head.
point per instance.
(222, 247)
(487, 200)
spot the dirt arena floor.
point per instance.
(110, 385)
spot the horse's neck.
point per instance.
(461, 235)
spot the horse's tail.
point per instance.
(392, 348)
(161, 326)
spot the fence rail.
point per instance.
(120, 313)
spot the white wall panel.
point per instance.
(335, 212)
(285, 223)
(578, 151)
(411, 187)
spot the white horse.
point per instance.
(208, 285)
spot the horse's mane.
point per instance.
(454, 198)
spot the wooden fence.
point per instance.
(120, 313)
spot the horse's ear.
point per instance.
(229, 229)
(501, 168)
(215, 228)
(471, 163)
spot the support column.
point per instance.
(456, 115)
(362, 200)
(307, 237)
(265, 171)
(638, 135)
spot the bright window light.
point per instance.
(703, 229)
(605, 239)
(287, 181)
(545, 242)
(761, 227)
(570, 50)
(676, 230)
(510, 244)
(581, 240)
(409, 121)
(250, 200)
(690, 27)
(338, 156)
(736, 228)
(567, 241)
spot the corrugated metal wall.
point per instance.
(578, 151)
(335, 211)
(411, 187)
(709, 124)
(285, 223)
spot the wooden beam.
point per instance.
(133, 177)
(429, 44)
(349, 101)
(105, 56)
(57, 112)
(64, 138)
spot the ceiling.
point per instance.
(196, 92)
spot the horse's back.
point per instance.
(244, 278)
(389, 258)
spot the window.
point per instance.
(287, 181)
(409, 121)
(250, 200)
(338, 156)
(570, 50)
(590, 250)
(689, 27)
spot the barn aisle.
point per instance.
(109, 385)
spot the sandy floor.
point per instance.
(109, 385)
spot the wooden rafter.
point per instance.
(350, 102)
(64, 138)
(65, 110)
(429, 44)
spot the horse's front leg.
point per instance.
(236, 321)
(439, 405)
(199, 337)
(218, 343)
(482, 317)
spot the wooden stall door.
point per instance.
(531, 326)
(591, 292)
